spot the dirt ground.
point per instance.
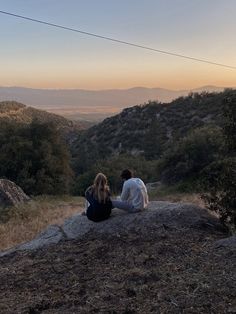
(162, 270)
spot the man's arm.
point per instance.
(125, 192)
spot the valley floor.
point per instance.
(163, 270)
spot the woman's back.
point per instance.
(98, 197)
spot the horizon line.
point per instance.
(117, 89)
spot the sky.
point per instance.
(38, 56)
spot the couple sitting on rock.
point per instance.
(133, 198)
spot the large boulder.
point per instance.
(11, 194)
(162, 215)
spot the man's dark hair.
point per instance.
(126, 174)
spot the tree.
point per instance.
(112, 169)
(219, 179)
(188, 156)
(35, 157)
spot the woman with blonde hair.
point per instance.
(99, 204)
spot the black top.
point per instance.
(97, 211)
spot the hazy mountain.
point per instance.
(91, 105)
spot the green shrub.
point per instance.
(188, 156)
(219, 179)
(35, 157)
(219, 182)
(112, 169)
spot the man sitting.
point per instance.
(134, 197)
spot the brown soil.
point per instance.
(163, 271)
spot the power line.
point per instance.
(119, 41)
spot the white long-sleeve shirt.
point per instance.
(135, 192)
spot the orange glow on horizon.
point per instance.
(121, 83)
(176, 76)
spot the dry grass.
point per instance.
(27, 220)
(175, 194)
(192, 198)
(184, 198)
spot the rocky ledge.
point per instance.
(158, 215)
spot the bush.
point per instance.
(190, 155)
(112, 169)
(35, 157)
(219, 179)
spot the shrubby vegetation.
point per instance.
(12, 111)
(35, 157)
(188, 156)
(112, 168)
(150, 129)
(182, 137)
(10, 106)
(219, 178)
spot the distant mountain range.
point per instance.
(92, 105)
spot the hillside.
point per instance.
(150, 128)
(12, 111)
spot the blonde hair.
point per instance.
(100, 188)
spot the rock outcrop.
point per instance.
(11, 194)
(226, 242)
(158, 215)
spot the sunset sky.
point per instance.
(39, 56)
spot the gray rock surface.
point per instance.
(158, 215)
(227, 242)
(11, 194)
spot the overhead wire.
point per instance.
(118, 40)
